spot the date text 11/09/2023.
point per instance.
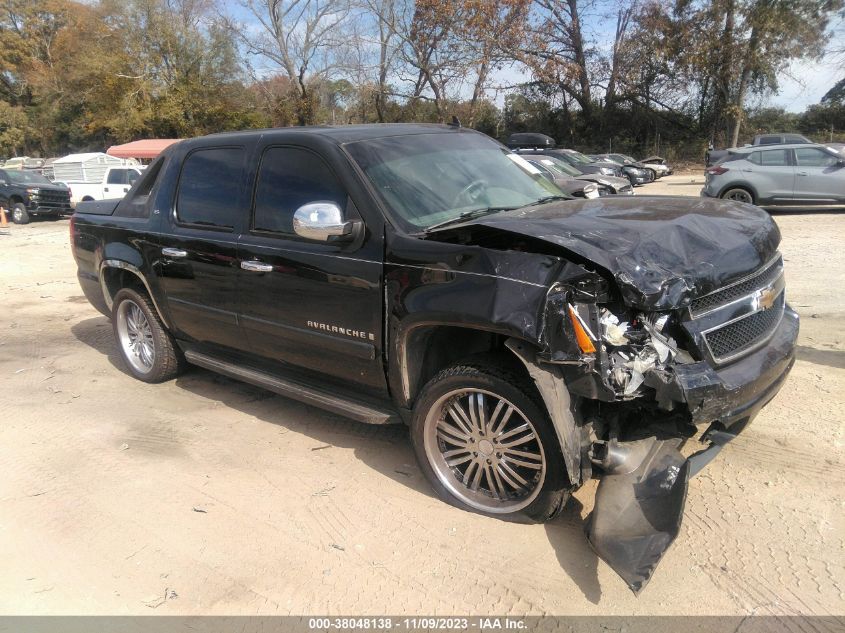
(417, 623)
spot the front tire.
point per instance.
(148, 350)
(20, 214)
(486, 445)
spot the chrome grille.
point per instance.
(737, 290)
(737, 319)
(744, 334)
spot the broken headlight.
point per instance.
(636, 346)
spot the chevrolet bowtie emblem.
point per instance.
(766, 297)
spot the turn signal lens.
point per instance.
(581, 335)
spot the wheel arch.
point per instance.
(116, 274)
(426, 348)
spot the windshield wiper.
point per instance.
(468, 215)
(548, 199)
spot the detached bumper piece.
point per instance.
(640, 503)
(638, 509)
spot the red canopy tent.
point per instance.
(145, 149)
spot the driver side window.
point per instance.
(288, 178)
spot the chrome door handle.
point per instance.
(174, 252)
(257, 267)
(801, 173)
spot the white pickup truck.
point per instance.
(115, 183)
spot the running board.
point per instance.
(347, 407)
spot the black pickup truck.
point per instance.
(426, 275)
(28, 194)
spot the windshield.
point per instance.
(429, 179)
(557, 166)
(26, 177)
(578, 157)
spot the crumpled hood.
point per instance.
(662, 251)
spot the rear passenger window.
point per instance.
(288, 178)
(117, 177)
(135, 204)
(210, 187)
(774, 158)
(814, 158)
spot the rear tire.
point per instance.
(20, 214)
(486, 445)
(147, 349)
(739, 194)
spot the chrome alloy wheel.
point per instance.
(136, 336)
(485, 451)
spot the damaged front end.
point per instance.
(644, 384)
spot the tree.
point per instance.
(558, 53)
(305, 40)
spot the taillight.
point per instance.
(718, 170)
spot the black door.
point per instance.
(198, 265)
(317, 306)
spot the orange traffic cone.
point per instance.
(4, 223)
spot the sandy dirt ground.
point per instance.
(207, 496)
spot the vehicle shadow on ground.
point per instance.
(567, 536)
(385, 449)
(97, 334)
(829, 357)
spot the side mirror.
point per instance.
(322, 222)
(3, 183)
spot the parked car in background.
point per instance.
(23, 162)
(636, 172)
(783, 176)
(713, 156)
(95, 175)
(658, 163)
(606, 185)
(569, 186)
(529, 142)
(28, 194)
(115, 182)
(779, 139)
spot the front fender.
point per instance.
(556, 397)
